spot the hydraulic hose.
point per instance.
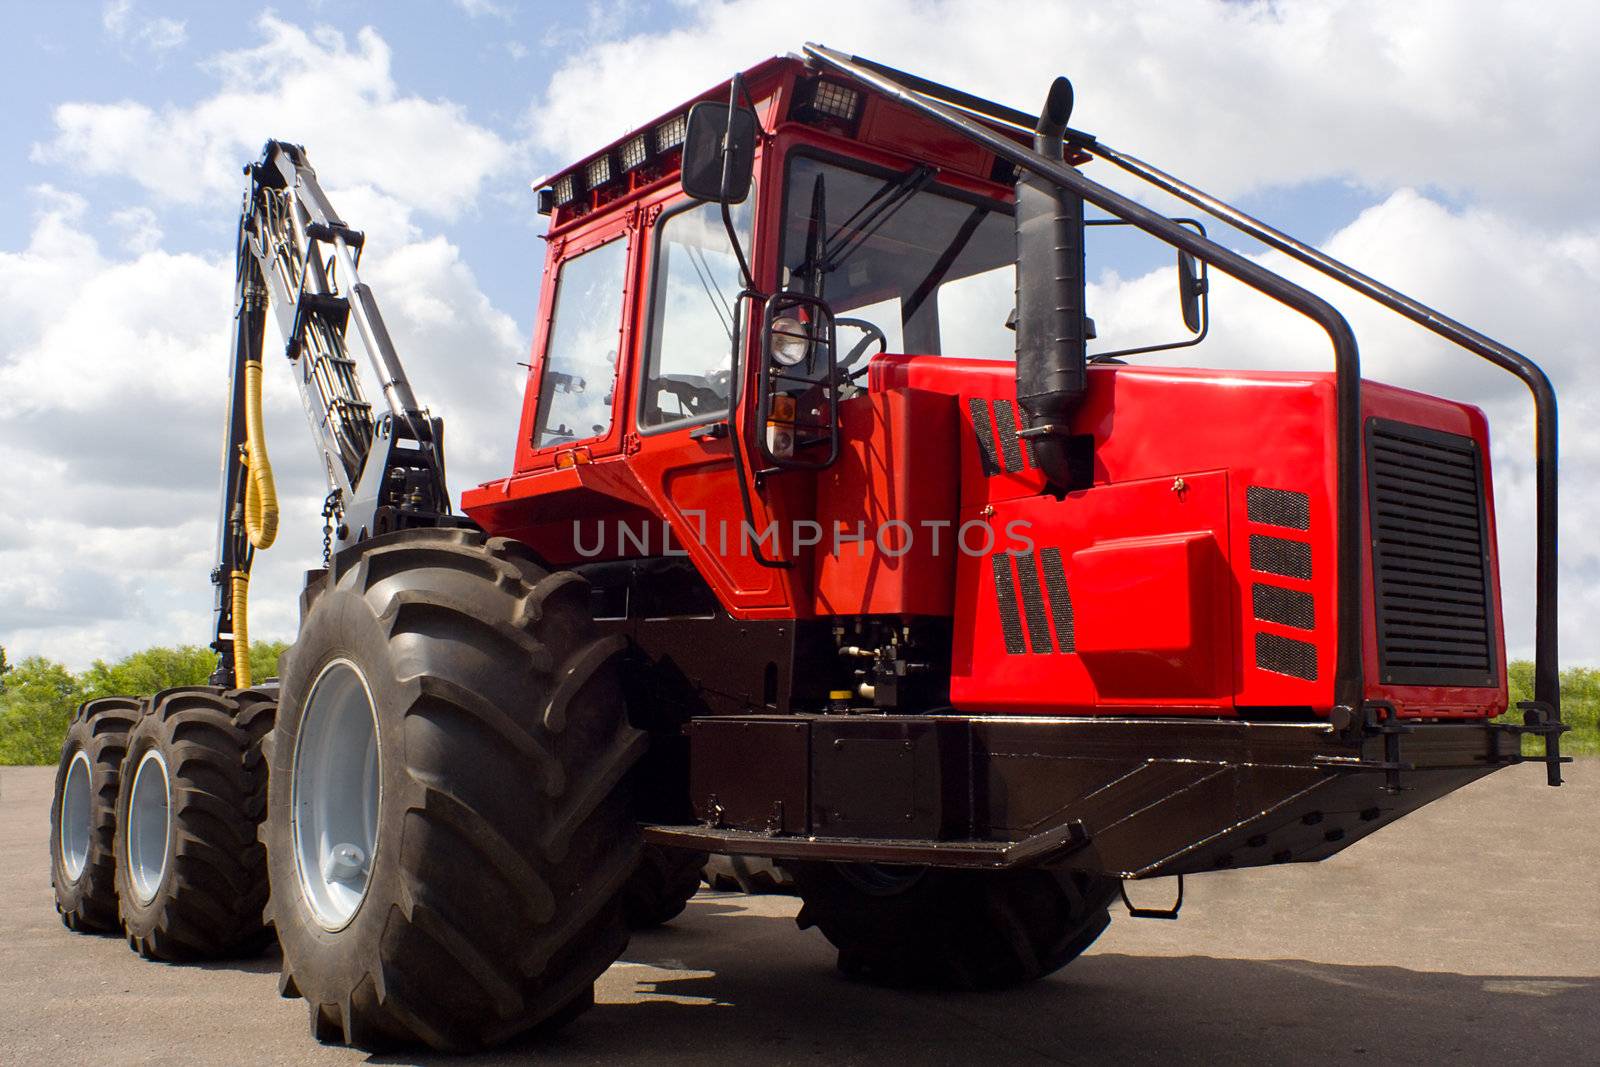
(260, 515)
(261, 496)
(241, 630)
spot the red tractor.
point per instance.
(828, 539)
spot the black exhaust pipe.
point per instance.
(1052, 342)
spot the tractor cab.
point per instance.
(713, 373)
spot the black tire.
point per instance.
(503, 834)
(949, 929)
(751, 875)
(661, 885)
(99, 730)
(208, 902)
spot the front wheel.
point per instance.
(952, 929)
(448, 828)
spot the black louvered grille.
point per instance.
(1435, 604)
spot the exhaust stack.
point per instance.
(1052, 373)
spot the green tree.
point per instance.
(150, 671)
(264, 659)
(37, 704)
(5, 668)
(39, 695)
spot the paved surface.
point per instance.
(1468, 933)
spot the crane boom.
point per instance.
(385, 471)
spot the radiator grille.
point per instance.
(1430, 567)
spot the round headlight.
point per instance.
(790, 341)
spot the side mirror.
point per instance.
(1192, 288)
(706, 174)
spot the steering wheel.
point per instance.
(696, 393)
(873, 333)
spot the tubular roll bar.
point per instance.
(954, 109)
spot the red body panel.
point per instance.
(898, 468)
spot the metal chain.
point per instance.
(331, 509)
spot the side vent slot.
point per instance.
(1286, 655)
(1280, 556)
(983, 430)
(1023, 610)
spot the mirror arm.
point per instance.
(734, 88)
(1205, 301)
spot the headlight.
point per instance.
(790, 341)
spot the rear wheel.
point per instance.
(920, 926)
(448, 827)
(191, 874)
(661, 885)
(83, 812)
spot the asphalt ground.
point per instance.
(1468, 933)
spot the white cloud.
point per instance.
(311, 88)
(112, 385)
(140, 227)
(480, 8)
(156, 35)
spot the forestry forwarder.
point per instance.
(1180, 620)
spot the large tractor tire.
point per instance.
(949, 929)
(83, 813)
(191, 872)
(448, 823)
(661, 885)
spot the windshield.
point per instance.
(933, 271)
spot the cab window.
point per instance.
(580, 366)
(929, 268)
(693, 304)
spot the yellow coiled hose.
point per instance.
(260, 515)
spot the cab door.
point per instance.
(575, 399)
(689, 394)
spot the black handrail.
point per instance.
(1348, 676)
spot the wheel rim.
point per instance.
(75, 818)
(335, 795)
(149, 828)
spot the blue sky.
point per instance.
(1450, 154)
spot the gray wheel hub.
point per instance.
(149, 826)
(335, 795)
(77, 799)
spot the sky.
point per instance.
(1448, 148)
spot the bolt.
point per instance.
(343, 863)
